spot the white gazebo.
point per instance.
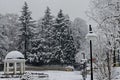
(14, 63)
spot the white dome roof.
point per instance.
(14, 55)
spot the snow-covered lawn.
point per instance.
(61, 75)
(58, 75)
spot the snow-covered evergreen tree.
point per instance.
(46, 32)
(26, 27)
(64, 45)
(42, 44)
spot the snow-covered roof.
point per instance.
(14, 55)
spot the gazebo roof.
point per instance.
(14, 55)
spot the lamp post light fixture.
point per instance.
(91, 36)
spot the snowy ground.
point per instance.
(62, 75)
(58, 75)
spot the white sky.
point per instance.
(74, 8)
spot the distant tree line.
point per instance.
(50, 40)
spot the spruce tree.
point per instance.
(70, 50)
(65, 49)
(26, 33)
(47, 25)
(57, 57)
(43, 46)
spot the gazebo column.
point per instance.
(4, 67)
(14, 67)
(21, 67)
(7, 68)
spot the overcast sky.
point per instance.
(74, 8)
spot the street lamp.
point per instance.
(91, 36)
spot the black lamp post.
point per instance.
(91, 36)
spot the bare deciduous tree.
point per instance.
(103, 12)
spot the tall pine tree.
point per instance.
(65, 49)
(43, 46)
(47, 24)
(26, 33)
